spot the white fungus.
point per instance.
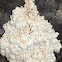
(28, 37)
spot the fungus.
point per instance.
(28, 37)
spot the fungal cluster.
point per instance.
(28, 37)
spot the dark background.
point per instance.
(51, 9)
